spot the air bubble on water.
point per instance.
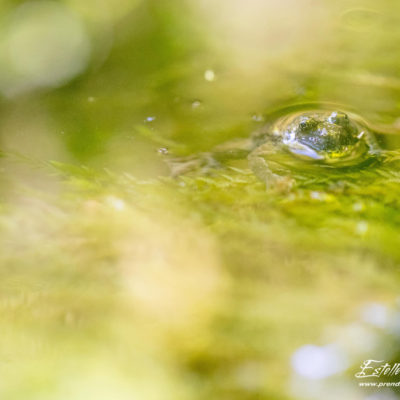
(150, 119)
(209, 75)
(257, 117)
(163, 150)
(196, 104)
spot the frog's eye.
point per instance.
(307, 124)
(339, 118)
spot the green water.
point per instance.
(120, 281)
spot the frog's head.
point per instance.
(330, 137)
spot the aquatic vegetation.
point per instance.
(316, 143)
(218, 255)
(265, 266)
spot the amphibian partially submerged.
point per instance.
(329, 139)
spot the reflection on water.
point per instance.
(120, 281)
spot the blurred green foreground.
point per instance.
(120, 282)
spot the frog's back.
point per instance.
(331, 137)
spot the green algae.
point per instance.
(120, 281)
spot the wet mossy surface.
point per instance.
(121, 281)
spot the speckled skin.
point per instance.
(330, 139)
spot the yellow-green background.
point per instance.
(118, 282)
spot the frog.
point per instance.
(306, 139)
(318, 138)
